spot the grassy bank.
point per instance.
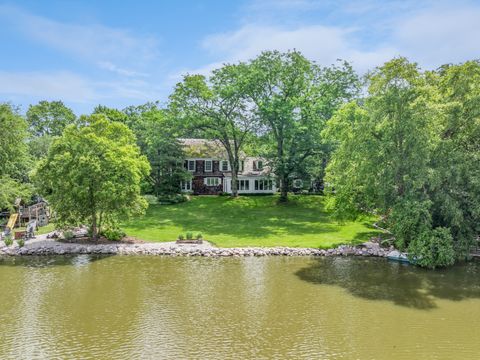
(250, 221)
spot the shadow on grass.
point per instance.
(252, 217)
(403, 285)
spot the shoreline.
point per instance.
(51, 247)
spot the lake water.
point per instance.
(236, 308)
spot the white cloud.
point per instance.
(96, 43)
(438, 36)
(324, 44)
(52, 85)
(107, 65)
(431, 33)
(72, 87)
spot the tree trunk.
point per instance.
(284, 189)
(234, 184)
(94, 227)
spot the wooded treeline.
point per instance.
(399, 142)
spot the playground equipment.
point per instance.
(11, 223)
(29, 216)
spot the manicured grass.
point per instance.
(250, 221)
(41, 230)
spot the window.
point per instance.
(224, 165)
(263, 185)
(241, 166)
(212, 181)
(259, 165)
(297, 183)
(191, 165)
(243, 184)
(186, 185)
(208, 166)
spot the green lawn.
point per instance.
(40, 230)
(250, 221)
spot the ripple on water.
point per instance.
(158, 307)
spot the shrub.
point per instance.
(172, 199)
(199, 236)
(113, 234)
(433, 248)
(8, 240)
(68, 235)
(151, 199)
(181, 237)
(189, 236)
(21, 242)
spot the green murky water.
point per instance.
(254, 308)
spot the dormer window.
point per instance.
(208, 166)
(259, 164)
(241, 165)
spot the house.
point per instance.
(211, 172)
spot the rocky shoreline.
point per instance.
(50, 247)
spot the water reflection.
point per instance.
(141, 307)
(50, 261)
(404, 285)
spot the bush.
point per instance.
(199, 236)
(181, 237)
(433, 248)
(113, 234)
(189, 236)
(68, 235)
(8, 240)
(21, 242)
(151, 199)
(172, 199)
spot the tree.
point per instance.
(49, 118)
(38, 146)
(92, 174)
(157, 138)
(14, 158)
(10, 190)
(408, 152)
(455, 183)
(164, 152)
(293, 98)
(218, 108)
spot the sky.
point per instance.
(121, 53)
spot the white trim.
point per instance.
(186, 188)
(217, 181)
(194, 165)
(221, 165)
(227, 187)
(205, 165)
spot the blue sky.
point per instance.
(121, 53)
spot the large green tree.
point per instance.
(408, 152)
(14, 159)
(219, 109)
(293, 97)
(156, 135)
(455, 182)
(49, 118)
(92, 174)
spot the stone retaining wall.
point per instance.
(58, 248)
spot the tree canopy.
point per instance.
(407, 151)
(293, 97)
(49, 118)
(218, 109)
(92, 174)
